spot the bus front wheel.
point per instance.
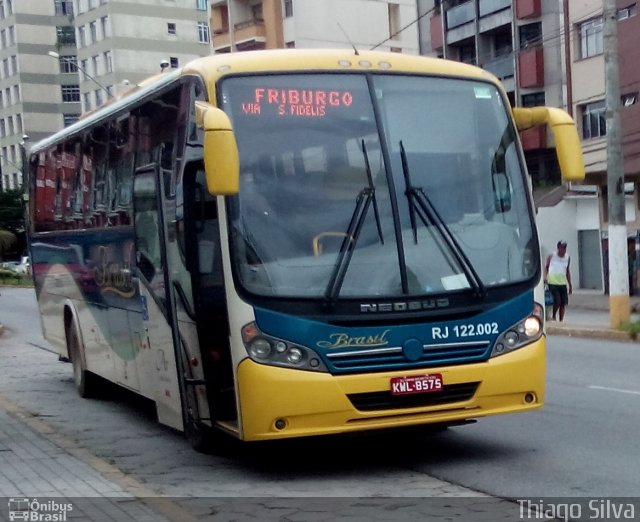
(83, 379)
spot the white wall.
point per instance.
(556, 223)
(366, 22)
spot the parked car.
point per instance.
(10, 265)
(16, 266)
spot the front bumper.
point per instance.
(280, 403)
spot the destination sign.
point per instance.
(308, 103)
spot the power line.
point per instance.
(420, 17)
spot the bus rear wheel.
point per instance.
(83, 379)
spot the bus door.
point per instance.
(158, 368)
(204, 262)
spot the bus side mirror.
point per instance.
(221, 162)
(565, 134)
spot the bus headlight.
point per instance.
(265, 349)
(525, 332)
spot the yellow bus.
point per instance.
(299, 242)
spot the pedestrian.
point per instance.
(557, 275)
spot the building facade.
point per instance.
(552, 53)
(239, 25)
(61, 58)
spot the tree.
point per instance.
(11, 211)
(8, 241)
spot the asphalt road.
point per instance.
(584, 442)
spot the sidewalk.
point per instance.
(588, 316)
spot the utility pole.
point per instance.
(619, 305)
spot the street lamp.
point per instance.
(56, 55)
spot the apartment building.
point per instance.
(239, 25)
(586, 99)
(29, 106)
(61, 58)
(551, 53)
(519, 42)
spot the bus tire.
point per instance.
(82, 378)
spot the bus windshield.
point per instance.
(376, 185)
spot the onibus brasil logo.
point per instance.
(38, 511)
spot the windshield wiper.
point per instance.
(420, 205)
(365, 198)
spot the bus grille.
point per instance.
(372, 401)
(391, 358)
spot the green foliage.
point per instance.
(11, 211)
(8, 241)
(633, 328)
(12, 278)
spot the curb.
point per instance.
(590, 333)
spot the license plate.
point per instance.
(417, 384)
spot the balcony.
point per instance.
(528, 9)
(248, 35)
(488, 7)
(531, 68)
(502, 67)
(461, 14)
(534, 138)
(435, 28)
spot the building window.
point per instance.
(591, 38)
(171, 28)
(6, 72)
(16, 93)
(288, 8)
(87, 101)
(82, 37)
(12, 35)
(83, 68)
(394, 19)
(14, 64)
(70, 93)
(98, 94)
(70, 119)
(95, 65)
(627, 12)
(108, 63)
(467, 54)
(3, 38)
(594, 122)
(629, 99)
(68, 64)
(534, 99)
(93, 31)
(63, 7)
(203, 32)
(65, 35)
(201, 5)
(256, 13)
(173, 61)
(104, 23)
(2, 15)
(530, 35)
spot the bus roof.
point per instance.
(212, 68)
